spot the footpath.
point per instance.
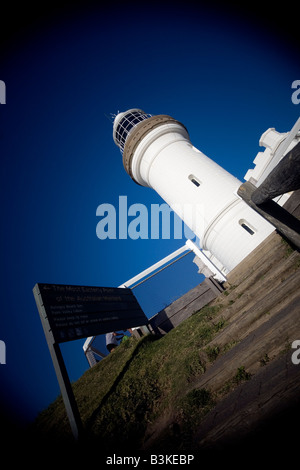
(263, 321)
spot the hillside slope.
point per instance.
(223, 376)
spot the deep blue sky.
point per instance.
(225, 73)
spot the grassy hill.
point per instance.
(223, 375)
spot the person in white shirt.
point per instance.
(112, 340)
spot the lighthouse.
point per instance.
(157, 153)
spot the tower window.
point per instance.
(246, 226)
(194, 180)
(129, 120)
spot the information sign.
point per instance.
(73, 312)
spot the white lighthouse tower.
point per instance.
(158, 153)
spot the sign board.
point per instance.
(73, 312)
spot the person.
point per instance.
(112, 340)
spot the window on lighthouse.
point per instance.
(247, 226)
(194, 180)
(126, 124)
(128, 121)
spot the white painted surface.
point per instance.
(166, 161)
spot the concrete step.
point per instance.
(258, 414)
(251, 292)
(270, 337)
(262, 304)
(256, 260)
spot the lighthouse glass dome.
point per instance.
(124, 123)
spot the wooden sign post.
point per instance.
(72, 312)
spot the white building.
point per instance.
(276, 146)
(158, 153)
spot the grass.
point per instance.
(127, 391)
(156, 389)
(264, 361)
(212, 352)
(289, 249)
(240, 376)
